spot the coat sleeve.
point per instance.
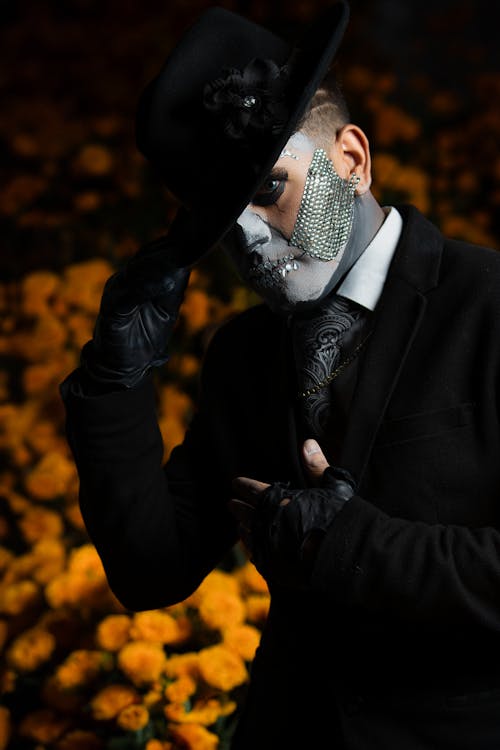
(412, 571)
(159, 530)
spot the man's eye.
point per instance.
(269, 192)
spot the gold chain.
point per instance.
(337, 371)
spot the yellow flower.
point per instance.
(243, 639)
(50, 477)
(142, 662)
(50, 556)
(18, 597)
(181, 689)
(87, 201)
(83, 284)
(205, 712)
(216, 580)
(221, 667)
(133, 718)
(80, 668)
(40, 523)
(155, 626)
(251, 579)
(20, 192)
(31, 649)
(43, 726)
(79, 739)
(196, 310)
(4, 633)
(94, 160)
(257, 607)
(5, 727)
(6, 557)
(221, 609)
(194, 737)
(84, 581)
(158, 745)
(37, 288)
(182, 665)
(113, 632)
(112, 699)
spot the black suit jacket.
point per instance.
(397, 643)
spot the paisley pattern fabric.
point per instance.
(320, 343)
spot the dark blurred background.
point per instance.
(421, 78)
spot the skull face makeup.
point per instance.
(289, 243)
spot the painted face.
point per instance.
(272, 245)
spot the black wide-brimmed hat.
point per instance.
(215, 119)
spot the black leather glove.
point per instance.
(138, 310)
(288, 526)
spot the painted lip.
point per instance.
(277, 269)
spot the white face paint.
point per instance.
(283, 275)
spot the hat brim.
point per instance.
(317, 49)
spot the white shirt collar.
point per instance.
(365, 281)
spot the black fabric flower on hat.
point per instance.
(250, 102)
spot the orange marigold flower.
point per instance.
(4, 633)
(37, 288)
(79, 739)
(196, 310)
(133, 718)
(156, 626)
(216, 580)
(158, 745)
(221, 667)
(113, 632)
(181, 689)
(142, 661)
(5, 727)
(40, 523)
(257, 608)
(251, 579)
(43, 726)
(112, 699)
(205, 712)
(181, 665)
(74, 515)
(31, 649)
(80, 668)
(194, 737)
(6, 557)
(50, 556)
(83, 284)
(243, 639)
(50, 477)
(94, 159)
(221, 609)
(18, 597)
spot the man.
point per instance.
(347, 430)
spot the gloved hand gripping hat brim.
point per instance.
(214, 175)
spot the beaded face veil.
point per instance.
(324, 220)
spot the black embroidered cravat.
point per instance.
(322, 346)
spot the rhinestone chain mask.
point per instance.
(326, 210)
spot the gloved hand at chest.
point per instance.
(282, 527)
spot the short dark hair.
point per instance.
(326, 114)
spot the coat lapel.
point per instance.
(414, 271)
(395, 327)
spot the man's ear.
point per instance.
(350, 152)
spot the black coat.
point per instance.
(397, 643)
